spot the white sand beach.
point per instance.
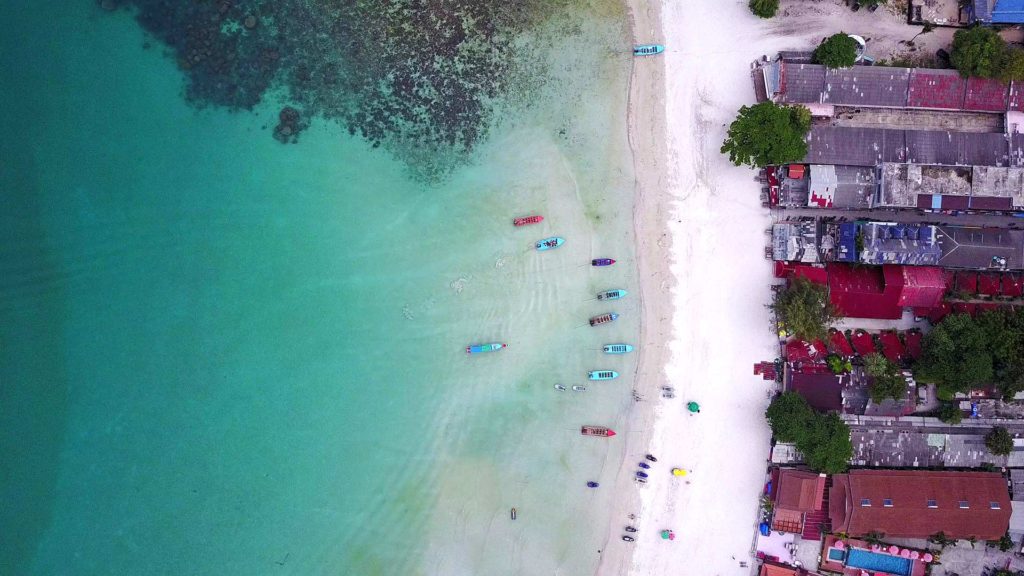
(701, 234)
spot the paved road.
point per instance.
(992, 220)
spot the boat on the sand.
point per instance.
(513, 513)
(602, 262)
(549, 243)
(481, 348)
(602, 375)
(528, 220)
(647, 49)
(604, 319)
(617, 348)
(592, 484)
(597, 431)
(611, 294)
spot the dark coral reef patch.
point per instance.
(416, 76)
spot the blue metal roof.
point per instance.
(1008, 12)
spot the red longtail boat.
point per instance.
(528, 220)
(597, 431)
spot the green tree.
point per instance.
(955, 355)
(837, 364)
(887, 381)
(1011, 66)
(940, 539)
(827, 446)
(977, 51)
(999, 441)
(767, 134)
(950, 413)
(790, 417)
(837, 51)
(764, 8)
(804, 309)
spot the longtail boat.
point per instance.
(550, 243)
(611, 294)
(481, 348)
(647, 49)
(602, 262)
(602, 375)
(617, 348)
(528, 220)
(603, 319)
(597, 431)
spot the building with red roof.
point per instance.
(920, 503)
(873, 291)
(797, 493)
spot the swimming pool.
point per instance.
(836, 555)
(866, 560)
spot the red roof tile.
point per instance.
(936, 89)
(823, 392)
(892, 347)
(988, 283)
(914, 338)
(838, 344)
(800, 490)
(939, 312)
(967, 282)
(964, 308)
(863, 343)
(986, 94)
(800, 351)
(1013, 285)
(911, 493)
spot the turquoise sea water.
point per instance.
(224, 355)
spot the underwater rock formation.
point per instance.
(415, 76)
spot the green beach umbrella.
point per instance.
(664, 534)
(693, 407)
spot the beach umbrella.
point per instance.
(693, 407)
(671, 535)
(926, 557)
(875, 547)
(839, 545)
(893, 550)
(678, 472)
(914, 554)
(665, 534)
(904, 553)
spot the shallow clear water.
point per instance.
(225, 355)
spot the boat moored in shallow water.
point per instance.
(647, 49)
(617, 348)
(549, 243)
(527, 220)
(560, 387)
(481, 348)
(597, 431)
(578, 388)
(611, 294)
(603, 319)
(602, 262)
(602, 375)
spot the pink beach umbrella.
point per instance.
(926, 557)
(904, 553)
(893, 550)
(875, 547)
(839, 545)
(914, 554)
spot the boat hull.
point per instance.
(527, 220)
(482, 348)
(602, 262)
(602, 375)
(648, 49)
(617, 349)
(612, 294)
(603, 319)
(597, 431)
(549, 243)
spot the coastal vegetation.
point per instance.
(837, 51)
(887, 380)
(950, 413)
(823, 439)
(804, 309)
(980, 51)
(999, 442)
(767, 134)
(764, 8)
(963, 352)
